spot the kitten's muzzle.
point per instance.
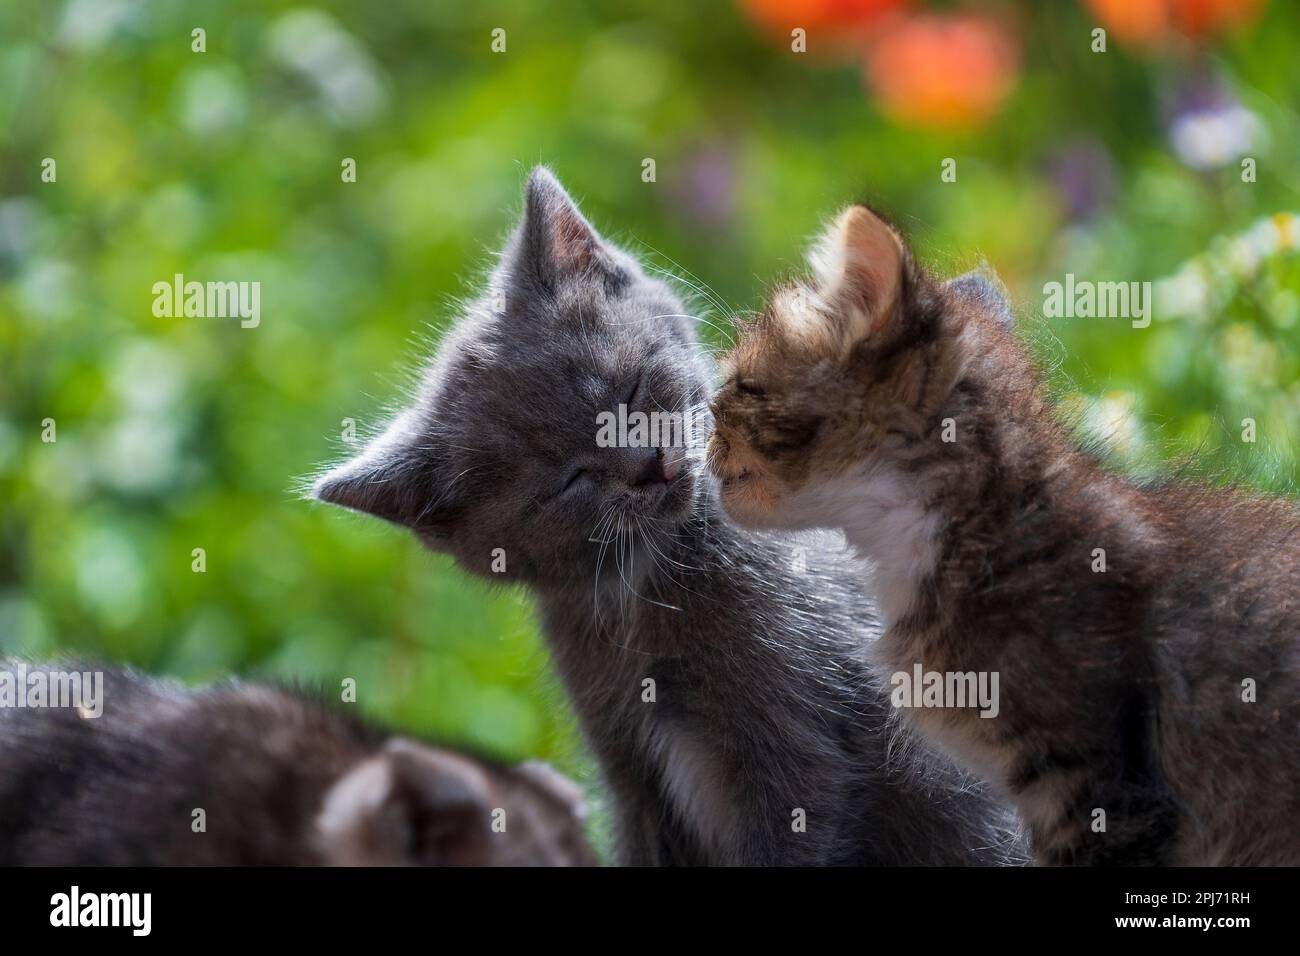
(717, 456)
(732, 476)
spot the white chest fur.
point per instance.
(697, 788)
(884, 521)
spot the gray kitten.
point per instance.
(281, 778)
(723, 689)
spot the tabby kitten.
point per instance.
(1131, 626)
(720, 684)
(281, 780)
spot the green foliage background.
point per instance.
(175, 434)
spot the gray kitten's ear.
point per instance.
(394, 478)
(409, 805)
(985, 290)
(555, 242)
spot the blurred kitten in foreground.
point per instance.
(253, 775)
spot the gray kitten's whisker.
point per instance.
(722, 308)
(708, 323)
(667, 559)
(698, 284)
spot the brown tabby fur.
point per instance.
(1120, 690)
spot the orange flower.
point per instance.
(1202, 17)
(1136, 22)
(939, 69)
(1151, 23)
(833, 17)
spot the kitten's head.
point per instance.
(840, 372)
(416, 805)
(499, 448)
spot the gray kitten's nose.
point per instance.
(647, 468)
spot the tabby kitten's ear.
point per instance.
(555, 242)
(860, 265)
(395, 477)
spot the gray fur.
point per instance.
(764, 704)
(984, 290)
